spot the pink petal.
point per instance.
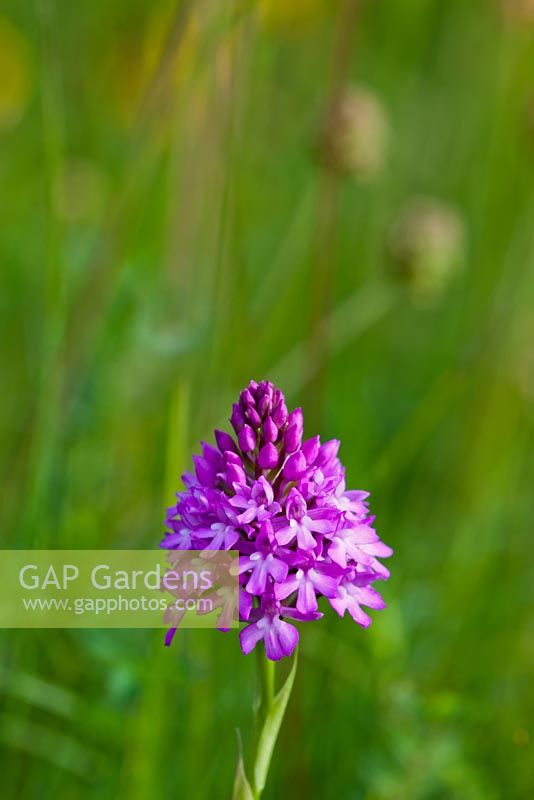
(249, 637)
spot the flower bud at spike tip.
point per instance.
(265, 402)
(292, 439)
(237, 420)
(211, 455)
(246, 439)
(235, 474)
(295, 466)
(246, 398)
(296, 418)
(230, 457)
(253, 417)
(310, 448)
(327, 452)
(279, 414)
(225, 441)
(268, 456)
(269, 430)
(204, 471)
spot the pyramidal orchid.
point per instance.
(281, 501)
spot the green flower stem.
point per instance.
(265, 683)
(264, 696)
(269, 710)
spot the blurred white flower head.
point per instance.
(356, 134)
(427, 247)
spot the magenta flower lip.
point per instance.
(283, 504)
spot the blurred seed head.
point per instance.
(427, 247)
(15, 74)
(356, 134)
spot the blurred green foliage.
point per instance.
(170, 230)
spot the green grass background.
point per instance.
(164, 239)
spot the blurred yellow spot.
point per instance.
(289, 13)
(521, 737)
(15, 74)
